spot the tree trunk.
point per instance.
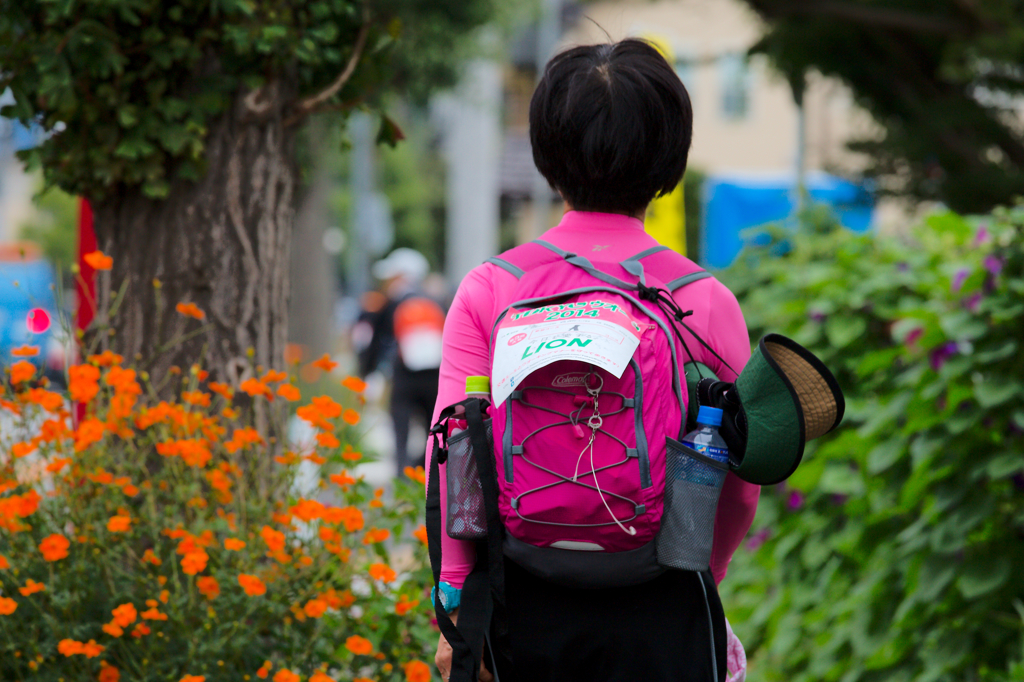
(221, 243)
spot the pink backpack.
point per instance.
(594, 487)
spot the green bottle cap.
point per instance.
(478, 385)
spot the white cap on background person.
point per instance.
(408, 264)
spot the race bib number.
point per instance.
(598, 332)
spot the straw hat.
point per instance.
(783, 398)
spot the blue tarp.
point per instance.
(733, 203)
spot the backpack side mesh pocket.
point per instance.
(466, 517)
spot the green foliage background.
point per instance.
(896, 549)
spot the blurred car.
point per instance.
(28, 310)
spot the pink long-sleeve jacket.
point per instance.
(487, 289)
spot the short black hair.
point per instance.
(611, 126)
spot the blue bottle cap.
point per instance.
(709, 416)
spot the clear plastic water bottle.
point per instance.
(476, 387)
(706, 440)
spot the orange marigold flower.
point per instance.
(4, 564)
(108, 673)
(48, 400)
(198, 398)
(320, 677)
(164, 596)
(354, 384)
(140, 630)
(119, 524)
(273, 538)
(193, 678)
(22, 449)
(417, 474)
(289, 392)
(190, 310)
(107, 358)
(113, 629)
(130, 490)
(149, 558)
(273, 376)
(375, 535)
(252, 585)
(351, 517)
(285, 675)
(324, 363)
(31, 587)
(286, 459)
(326, 406)
(7, 606)
(233, 544)
(404, 606)
(382, 572)
(315, 459)
(125, 614)
(421, 534)
(22, 371)
(255, 387)
(152, 613)
(342, 479)
(416, 671)
(97, 260)
(89, 431)
(54, 547)
(208, 587)
(83, 382)
(350, 417)
(223, 390)
(364, 679)
(359, 645)
(307, 510)
(91, 649)
(351, 456)
(315, 608)
(69, 647)
(327, 440)
(25, 352)
(194, 562)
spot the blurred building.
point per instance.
(745, 118)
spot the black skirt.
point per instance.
(665, 630)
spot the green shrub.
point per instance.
(896, 550)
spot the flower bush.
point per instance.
(891, 552)
(171, 534)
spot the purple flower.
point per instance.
(795, 500)
(982, 236)
(972, 301)
(816, 316)
(913, 336)
(755, 541)
(993, 264)
(939, 355)
(958, 279)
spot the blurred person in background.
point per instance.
(398, 336)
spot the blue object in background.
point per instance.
(25, 285)
(733, 203)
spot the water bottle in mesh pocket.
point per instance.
(692, 485)
(466, 518)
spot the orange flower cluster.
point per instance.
(7, 606)
(208, 587)
(416, 671)
(31, 587)
(54, 547)
(15, 507)
(119, 524)
(25, 352)
(243, 438)
(190, 310)
(233, 544)
(264, 670)
(194, 452)
(360, 646)
(417, 474)
(421, 534)
(193, 678)
(285, 675)
(124, 615)
(22, 371)
(405, 605)
(97, 260)
(382, 572)
(375, 535)
(252, 585)
(71, 647)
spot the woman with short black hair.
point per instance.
(611, 128)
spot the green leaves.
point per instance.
(901, 562)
